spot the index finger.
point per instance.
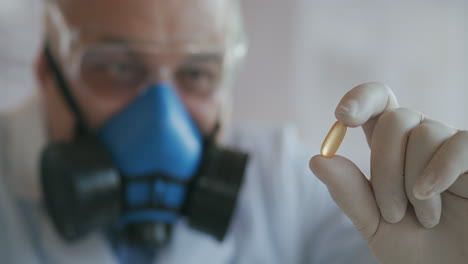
(363, 104)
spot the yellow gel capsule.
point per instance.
(333, 140)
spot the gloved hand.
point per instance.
(415, 207)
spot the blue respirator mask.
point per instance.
(140, 172)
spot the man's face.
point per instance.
(124, 46)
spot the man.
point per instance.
(134, 102)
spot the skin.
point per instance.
(131, 22)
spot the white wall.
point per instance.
(20, 36)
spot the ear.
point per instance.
(42, 71)
(60, 121)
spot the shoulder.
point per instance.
(278, 170)
(269, 144)
(281, 201)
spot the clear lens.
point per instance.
(120, 57)
(111, 71)
(200, 75)
(119, 70)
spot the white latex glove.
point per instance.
(415, 207)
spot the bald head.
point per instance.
(171, 22)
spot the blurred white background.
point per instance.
(304, 55)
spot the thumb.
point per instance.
(350, 190)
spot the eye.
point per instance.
(109, 70)
(119, 74)
(111, 77)
(119, 69)
(199, 79)
(197, 76)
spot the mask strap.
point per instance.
(211, 137)
(81, 128)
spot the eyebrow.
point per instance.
(112, 39)
(129, 46)
(205, 57)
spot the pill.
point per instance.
(333, 140)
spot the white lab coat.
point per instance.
(284, 214)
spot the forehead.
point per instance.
(162, 21)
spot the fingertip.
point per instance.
(421, 194)
(429, 213)
(347, 112)
(347, 109)
(394, 217)
(424, 187)
(313, 162)
(363, 102)
(322, 167)
(429, 223)
(325, 168)
(316, 164)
